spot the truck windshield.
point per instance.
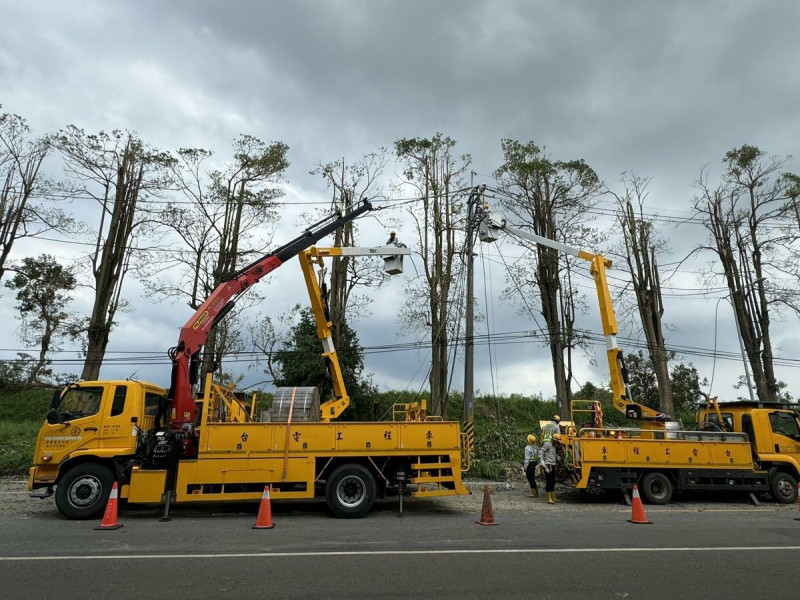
(78, 403)
(727, 420)
(151, 400)
(784, 424)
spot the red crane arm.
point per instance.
(194, 334)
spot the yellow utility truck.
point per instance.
(746, 446)
(165, 446)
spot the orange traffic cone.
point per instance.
(798, 500)
(264, 518)
(637, 509)
(487, 512)
(110, 517)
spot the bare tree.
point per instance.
(351, 184)
(792, 183)
(20, 160)
(119, 172)
(218, 225)
(551, 198)
(745, 215)
(433, 170)
(642, 247)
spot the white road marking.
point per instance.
(400, 553)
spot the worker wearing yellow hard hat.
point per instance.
(548, 453)
(551, 428)
(529, 465)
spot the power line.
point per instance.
(400, 202)
(129, 358)
(170, 202)
(693, 219)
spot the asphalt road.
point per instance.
(434, 551)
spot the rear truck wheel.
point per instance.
(656, 488)
(350, 491)
(82, 493)
(783, 488)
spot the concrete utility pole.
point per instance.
(469, 313)
(475, 198)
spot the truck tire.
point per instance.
(82, 493)
(656, 488)
(350, 491)
(783, 488)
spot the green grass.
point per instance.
(17, 440)
(24, 405)
(21, 415)
(486, 469)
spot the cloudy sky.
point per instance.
(659, 88)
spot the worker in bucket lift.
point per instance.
(551, 428)
(393, 241)
(530, 464)
(548, 458)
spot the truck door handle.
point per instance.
(90, 428)
(777, 448)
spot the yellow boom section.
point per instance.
(313, 256)
(598, 265)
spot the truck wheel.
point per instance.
(783, 488)
(656, 488)
(82, 493)
(350, 491)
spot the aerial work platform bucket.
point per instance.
(487, 231)
(393, 265)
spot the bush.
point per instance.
(486, 469)
(499, 441)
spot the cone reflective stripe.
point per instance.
(637, 509)
(110, 516)
(798, 500)
(487, 512)
(264, 518)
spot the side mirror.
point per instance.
(55, 400)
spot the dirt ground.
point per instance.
(15, 499)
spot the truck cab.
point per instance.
(89, 440)
(773, 430)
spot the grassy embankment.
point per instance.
(21, 415)
(501, 425)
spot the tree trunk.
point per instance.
(641, 246)
(44, 348)
(96, 348)
(111, 259)
(432, 169)
(550, 197)
(338, 292)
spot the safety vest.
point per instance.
(548, 431)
